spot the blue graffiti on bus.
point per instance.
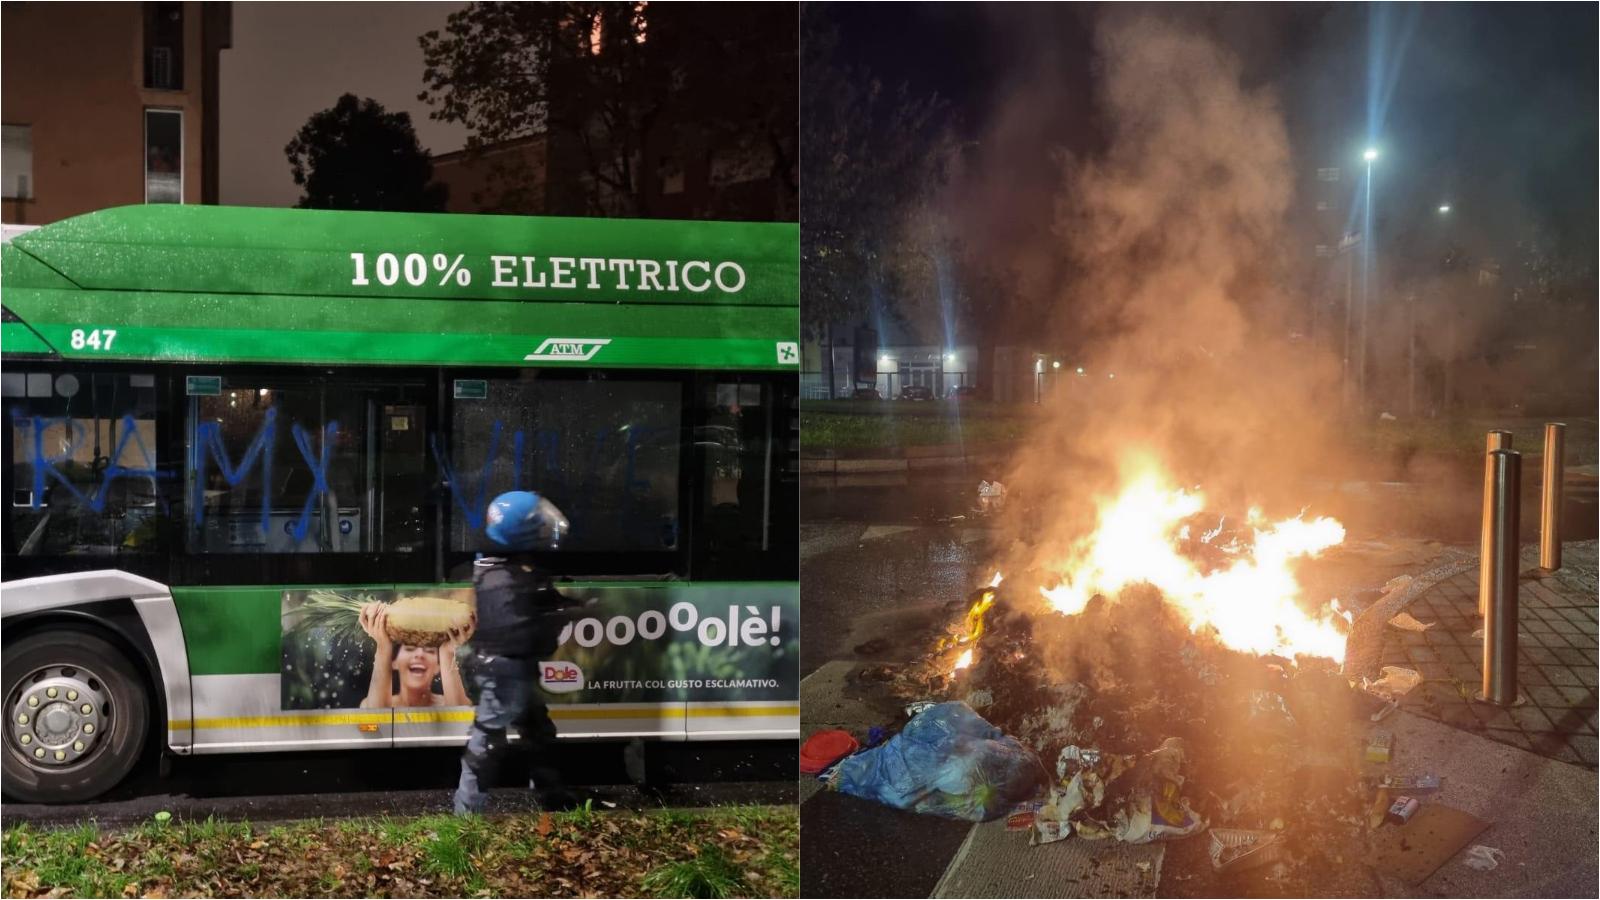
(540, 461)
(208, 437)
(45, 466)
(474, 504)
(572, 467)
(319, 472)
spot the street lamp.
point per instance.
(1444, 209)
(1370, 155)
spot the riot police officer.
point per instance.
(520, 617)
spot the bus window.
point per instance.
(746, 510)
(296, 466)
(605, 450)
(83, 472)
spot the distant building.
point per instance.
(887, 365)
(108, 104)
(542, 175)
(682, 169)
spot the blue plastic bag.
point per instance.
(948, 761)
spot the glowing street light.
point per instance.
(1370, 155)
(1080, 370)
(1444, 209)
(1056, 364)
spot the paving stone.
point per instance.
(1514, 738)
(1493, 717)
(1453, 654)
(1572, 657)
(1532, 675)
(1578, 696)
(1468, 672)
(1588, 748)
(1531, 719)
(1560, 675)
(1536, 654)
(1424, 654)
(1587, 676)
(1547, 696)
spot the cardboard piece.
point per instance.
(1415, 850)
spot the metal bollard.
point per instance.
(1497, 440)
(1555, 452)
(1498, 577)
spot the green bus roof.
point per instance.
(215, 283)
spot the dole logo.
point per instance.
(560, 677)
(577, 349)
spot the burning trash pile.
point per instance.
(1169, 678)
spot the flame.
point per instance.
(964, 660)
(1250, 602)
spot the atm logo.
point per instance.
(574, 349)
(559, 677)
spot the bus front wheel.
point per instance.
(77, 717)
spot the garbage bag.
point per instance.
(948, 761)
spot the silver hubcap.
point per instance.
(58, 715)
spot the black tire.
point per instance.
(113, 755)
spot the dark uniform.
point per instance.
(520, 617)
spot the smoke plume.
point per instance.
(1177, 300)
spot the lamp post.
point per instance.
(1371, 156)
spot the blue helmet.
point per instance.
(522, 520)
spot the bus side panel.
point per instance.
(234, 641)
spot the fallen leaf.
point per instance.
(544, 825)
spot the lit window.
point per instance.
(163, 156)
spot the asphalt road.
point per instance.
(279, 786)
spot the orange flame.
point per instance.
(1251, 603)
(964, 660)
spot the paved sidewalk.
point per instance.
(1557, 648)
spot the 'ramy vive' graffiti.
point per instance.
(209, 454)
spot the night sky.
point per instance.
(290, 60)
(1491, 107)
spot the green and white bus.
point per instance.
(231, 430)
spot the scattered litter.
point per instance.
(875, 735)
(1379, 746)
(1383, 711)
(1394, 682)
(824, 748)
(915, 709)
(979, 699)
(1411, 784)
(1147, 803)
(1237, 849)
(1022, 815)
(1056, 721)
(1269, 707)
(991, 496)
(1075, 759)
(1407, 622)
(1387, 417)
(1402, 809)
(1483, 858)
(1417, 849)
(608, 804)
(948, 761)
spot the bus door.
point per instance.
(311, 502)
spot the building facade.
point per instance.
(108, 104)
